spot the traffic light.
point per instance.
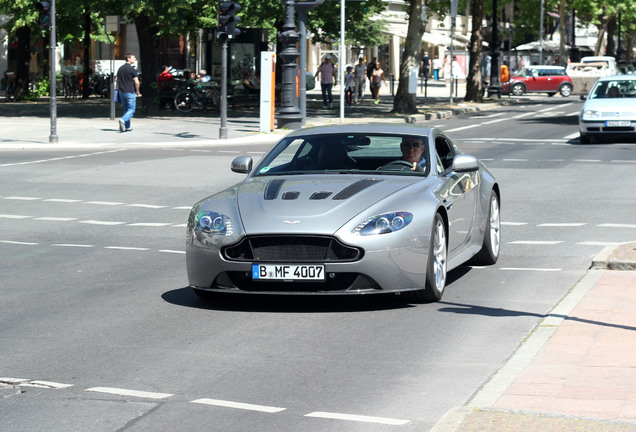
(45, 13)
(227, 19)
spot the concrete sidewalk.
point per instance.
(86, 123)
(577, 369)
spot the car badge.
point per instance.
(291, 222)
(618, 114)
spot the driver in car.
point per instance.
(413, 152)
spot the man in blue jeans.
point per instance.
(128, 88)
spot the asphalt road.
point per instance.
(100, 333)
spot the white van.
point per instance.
(609, 61)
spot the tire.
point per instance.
(184, 101)
(489, 253)
(436, 266)
(518, 89)
(565, 90)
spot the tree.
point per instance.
(404, 102)
(474, 80)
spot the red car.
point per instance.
(539, 79)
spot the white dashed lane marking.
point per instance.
(239, 405)
(132, 393)
(358, 418)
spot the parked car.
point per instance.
(335, 210)
(609, 109)
(540, 79)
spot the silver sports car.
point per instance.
(347, 209)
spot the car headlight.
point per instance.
(383, 224)
(591, 114)
(213, 223)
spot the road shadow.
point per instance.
(285, 303)
(468, 309)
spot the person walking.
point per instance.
(376, 82)
(426, 66)
(128, 89)
(437, 65)
(349, 81)
(370, 68)
(327, 71)
(359, 73)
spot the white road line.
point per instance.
(172, 251)
(55, 219)
(239, 405)
(550, 160)
(149, 206)
(106, 203)
(530, 269)
(487, 116)
(8, 216)
(180, 226)
(12, 381)
(569, 224)
(62, 200)
(45, 384)
(73, 245)
(535, 242)
(626, 161)
(463, 128)
(182, 208)
(494, 121)
(571, 136)
(514, 223)
(615, 225)
(549, 108)
(515, 160)
(150, 224)
(593, 243)
(229, 151)
(358, 418)
(125, 392)
(518, 116)
(126, 248)
(587, 160)
(96, 222)
(21, 198)
(572, 114)
(18, 242)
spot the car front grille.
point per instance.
(299, 248)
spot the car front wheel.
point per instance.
(565, 90)
(436, 266)
(517, 89)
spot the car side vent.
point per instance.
(354, 188)
(272, 189)
(319, 195)
(291, 195)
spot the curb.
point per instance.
(621, 257)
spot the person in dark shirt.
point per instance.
(128, 88)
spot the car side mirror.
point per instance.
(583, 97)
(465, 163)
(242, 165)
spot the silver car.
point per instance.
(609, 109)
(340, 210)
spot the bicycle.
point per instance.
(192, 96)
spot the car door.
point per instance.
(550, 80)
(458, 193)
(531, 80)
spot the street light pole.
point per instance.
(302, 7)
(289, 115)
(53, 136)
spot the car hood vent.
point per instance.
(272, 189)
(354, 188)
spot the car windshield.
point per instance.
(347, 154)
(614, 89)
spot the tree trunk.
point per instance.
(602, 28)
(22, 62)
(474, 80)
(611, 30)
(147, 33)
(563, 16)
(404, 102)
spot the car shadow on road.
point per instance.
(285, 303)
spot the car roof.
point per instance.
(618, 77)
(368, 128)
(545, 67)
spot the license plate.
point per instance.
(618, 123)
(288, 272)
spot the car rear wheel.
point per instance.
(489, 253)
(436, 266)
(518, 89)
(565, 90)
